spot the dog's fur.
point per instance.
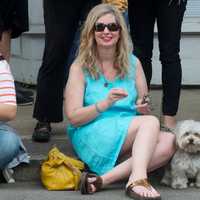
(185, 163)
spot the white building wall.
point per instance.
(27, 50)
(190, 56)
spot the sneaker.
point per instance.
(42, 132)
(8, 175)
(23, 100)
(25, 92)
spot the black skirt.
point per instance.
(14, 16)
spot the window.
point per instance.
(191, 22)
(193, 8)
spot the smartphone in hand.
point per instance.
(120, 93)
(146, 99)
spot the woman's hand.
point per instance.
(143, 106)
(116, 94)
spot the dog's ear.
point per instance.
(177, 128)
(197, 126)
(183, 126)
(177, 131)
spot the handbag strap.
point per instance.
(75, 171)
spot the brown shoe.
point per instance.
(144, 183)
(85, 186)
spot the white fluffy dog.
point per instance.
(186, 161)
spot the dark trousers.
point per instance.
(61, 20)
(169, 17)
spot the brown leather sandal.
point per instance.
(136, 196)
(85, 186)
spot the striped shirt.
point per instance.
(7, 87)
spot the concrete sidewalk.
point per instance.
(28, 176)
(33, 191)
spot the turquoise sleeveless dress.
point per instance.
(98, 143)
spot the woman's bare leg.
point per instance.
(142, 136)
(144, 145)
(163, 152)
(156, 145)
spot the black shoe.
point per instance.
(23, 100)
(25, 92)
(42, 132)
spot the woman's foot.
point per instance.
(90, 183)
(141, 189)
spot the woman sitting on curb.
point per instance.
(106, 111)
(12, 150)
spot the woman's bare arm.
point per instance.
(7, 112)
(74, 94)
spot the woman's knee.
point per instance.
(9, 147)
(151, 120)
(10, 143)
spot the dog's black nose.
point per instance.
(191, 140)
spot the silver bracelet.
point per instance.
(97, 108)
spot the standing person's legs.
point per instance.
(85, 10)
(169, 21)
(142, 20)
(61, 21)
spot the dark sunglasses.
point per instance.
(100, 27)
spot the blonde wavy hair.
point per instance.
(87, 54)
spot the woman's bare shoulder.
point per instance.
(76, 67)
(76, 71)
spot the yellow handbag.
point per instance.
(60, 172)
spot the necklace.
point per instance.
(106, 83)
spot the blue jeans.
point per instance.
(10, 145)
